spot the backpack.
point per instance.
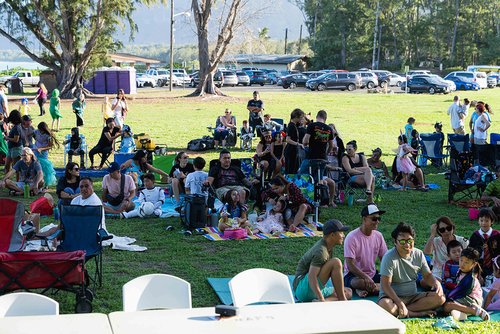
(201, 144)
(322, 194)
(194, 212)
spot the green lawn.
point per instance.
(373, 120)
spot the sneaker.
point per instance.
(121, 215)
(169, 228)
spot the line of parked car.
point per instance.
(415, 81)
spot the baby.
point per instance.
(272, 221)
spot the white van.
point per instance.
(479, 77)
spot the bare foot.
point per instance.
(362, 293)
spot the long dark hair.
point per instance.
(69, 168)
(44, 128)
(229, 200)
(75, 133)
(179, 156)
(14, 117)
(138, 158)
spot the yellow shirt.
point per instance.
(24, 109)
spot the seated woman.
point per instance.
(268, 162)
(233, 213)
(30, 174)
(68, 186)
(356, 166)
(138, 165)
(379, 168)
(178, 174)
(105, 145)
(297, 205)
(223, 125)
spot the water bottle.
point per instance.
(257, 171)
(341, 197)
(26, 190)
(56, 213)
(350, 200)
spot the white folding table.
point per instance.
(91, 323)
(332, 317)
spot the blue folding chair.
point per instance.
(431, 146)
(82, 230)
(494, 138)
(459, 143)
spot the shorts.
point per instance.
(221, 192)
(349, 276)
(21, 184)
(15, 152)
(469, 301)
(114, 207)
(407, 300)
(353, 178)
(304, 293)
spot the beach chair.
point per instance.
(82, 230)
(494, 138)
(431, 146)
(260, 286)
(156, 291)
(458, 184)
(27, 304)
(11, 218)
(305, 183)
(83, 147)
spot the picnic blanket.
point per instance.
(221, 288)
(92, 173)
(167, 209)
(303, 230)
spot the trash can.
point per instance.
(15, 86)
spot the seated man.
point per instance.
(399, 270)
(88, 197)
(361, 248)
(225, 177)
(492, 192)
(30, 173)
(118, 190)
(105, 144)
(317, 266)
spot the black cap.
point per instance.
(333, 226)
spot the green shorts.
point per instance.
(304, 293)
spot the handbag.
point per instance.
(115, 201)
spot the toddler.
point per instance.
(127, 144)
(55, 113)
(233, 213)
(467, 296)
(75, 146)
(492, 301)
(409, 127)
(479, 239)
(404, 164)
(24, 108)
(246, 135)
(151, 194)
(451, 267)
(272, 221)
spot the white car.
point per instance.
(396, 79)
(183, 77)
(143, 80)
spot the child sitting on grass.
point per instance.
(451, 267)
(233, 213)
(492, 301)
(272, 221)
(151, 194)
(467, 296)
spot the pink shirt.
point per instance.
(364, 250)
(113, 185)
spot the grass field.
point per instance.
(373, 120)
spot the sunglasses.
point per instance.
(186, 157)
(402, 242)
(76, 169)
(444, 229)
(375, 219)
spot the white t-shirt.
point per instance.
(454, 111)
(3, 102)
(194, 181)
(480, 123)
(91, 200)
(119, 107)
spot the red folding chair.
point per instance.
(11, 218)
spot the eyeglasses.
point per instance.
(226, 112)
(402, 242)
(448, 228)
(375, 219)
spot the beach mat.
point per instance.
(92, 173)
(221, 288)
(303, 230)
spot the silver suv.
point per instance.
(368, 79)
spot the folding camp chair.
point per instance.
(494, 138)
(305, 183)
(467, 189)
(83, 231)
(431, 146)
(485, 155)
(458, 143)
(11, 218)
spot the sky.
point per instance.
(153, 23)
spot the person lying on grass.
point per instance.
(467, 296)
(398, 283)
(317, 267)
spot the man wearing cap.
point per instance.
(317, 266)
(398, 282)
(30, 173)
(362, 246)
(118, 190)
(27, 131)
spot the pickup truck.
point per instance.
(26, 77)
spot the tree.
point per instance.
(228, 23)
(71, 34)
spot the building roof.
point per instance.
(263, 59)
(128, 58)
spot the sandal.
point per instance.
(481, 312)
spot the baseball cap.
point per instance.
(26, 118)
(371, 209)
(113, 167)
(332, 226)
